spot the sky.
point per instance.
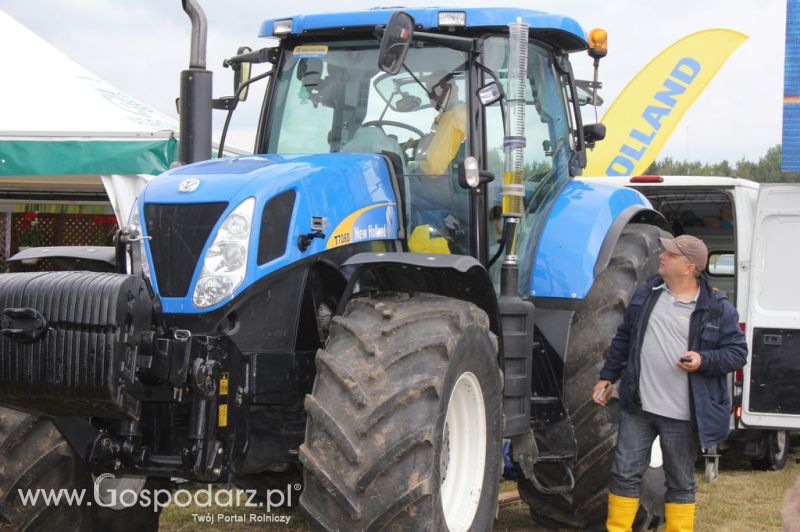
(140, 47)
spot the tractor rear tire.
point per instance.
(404, 424)
(634, 259)
(33, 456)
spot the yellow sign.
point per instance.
(310, 50)
(223, 384)
(646, 112)
(222, 417)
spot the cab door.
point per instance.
(772, 374)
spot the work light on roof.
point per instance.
(452, 18)
(282, 27)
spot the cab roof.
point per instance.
(561, 31)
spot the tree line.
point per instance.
(766, 169)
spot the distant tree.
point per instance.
(767, 169)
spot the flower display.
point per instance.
(106, 227)
(30, 232)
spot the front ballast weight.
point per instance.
(84, 345)
(80, 345)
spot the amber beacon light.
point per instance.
(598, 43)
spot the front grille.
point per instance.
(178, 233)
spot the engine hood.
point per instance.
(230, 178)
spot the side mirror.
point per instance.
(593, 133)
(470, 175)
(395, 42)
(241, 73)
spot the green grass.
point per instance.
(741, 500)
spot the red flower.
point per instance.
(105, 220)
(30, 216)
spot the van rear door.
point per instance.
(772, 374)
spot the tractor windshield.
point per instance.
(331, 97)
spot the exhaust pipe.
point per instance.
(195, 95)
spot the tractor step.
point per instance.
(545, 400)
(567, 480)
(553, 457)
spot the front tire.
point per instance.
(34, 456)
(405, 419)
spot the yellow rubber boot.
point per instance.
(680, 516)
(621, 513)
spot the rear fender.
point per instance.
(635, 214)
(582, 228)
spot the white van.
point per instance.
(752, 232)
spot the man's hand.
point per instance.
(690, 361)
(601, 392)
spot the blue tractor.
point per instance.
(403, 276)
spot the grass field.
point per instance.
(741, 500)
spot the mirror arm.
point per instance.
(264, 55)
(226, 103)
(231, 102)
(462, 44)
(503, 100)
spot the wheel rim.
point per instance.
(463, 455)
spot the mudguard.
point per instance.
(456, 276)
(581, 230)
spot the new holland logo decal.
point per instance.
(189, 185)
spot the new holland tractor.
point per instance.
(402, 277)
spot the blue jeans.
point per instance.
(679, 446)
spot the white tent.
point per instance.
(65, 126)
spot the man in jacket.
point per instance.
(677, 342)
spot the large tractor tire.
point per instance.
(597, 317)
(34, 455)
(405, 419)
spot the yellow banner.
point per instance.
(648, 109)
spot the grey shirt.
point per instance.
(663, 387)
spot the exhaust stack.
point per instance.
(195, 95)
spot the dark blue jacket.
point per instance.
(713, 332)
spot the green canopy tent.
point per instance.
(70, 143)
(62, 127)
(63, 131)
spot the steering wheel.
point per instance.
(381, 123)
(405, 145)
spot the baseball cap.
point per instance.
(690, 247)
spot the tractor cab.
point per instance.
(443, 106)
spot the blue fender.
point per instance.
(354, 193)
(584, 217)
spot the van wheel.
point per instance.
(777, 444)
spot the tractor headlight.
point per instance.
(225, 263)
(135, 224)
